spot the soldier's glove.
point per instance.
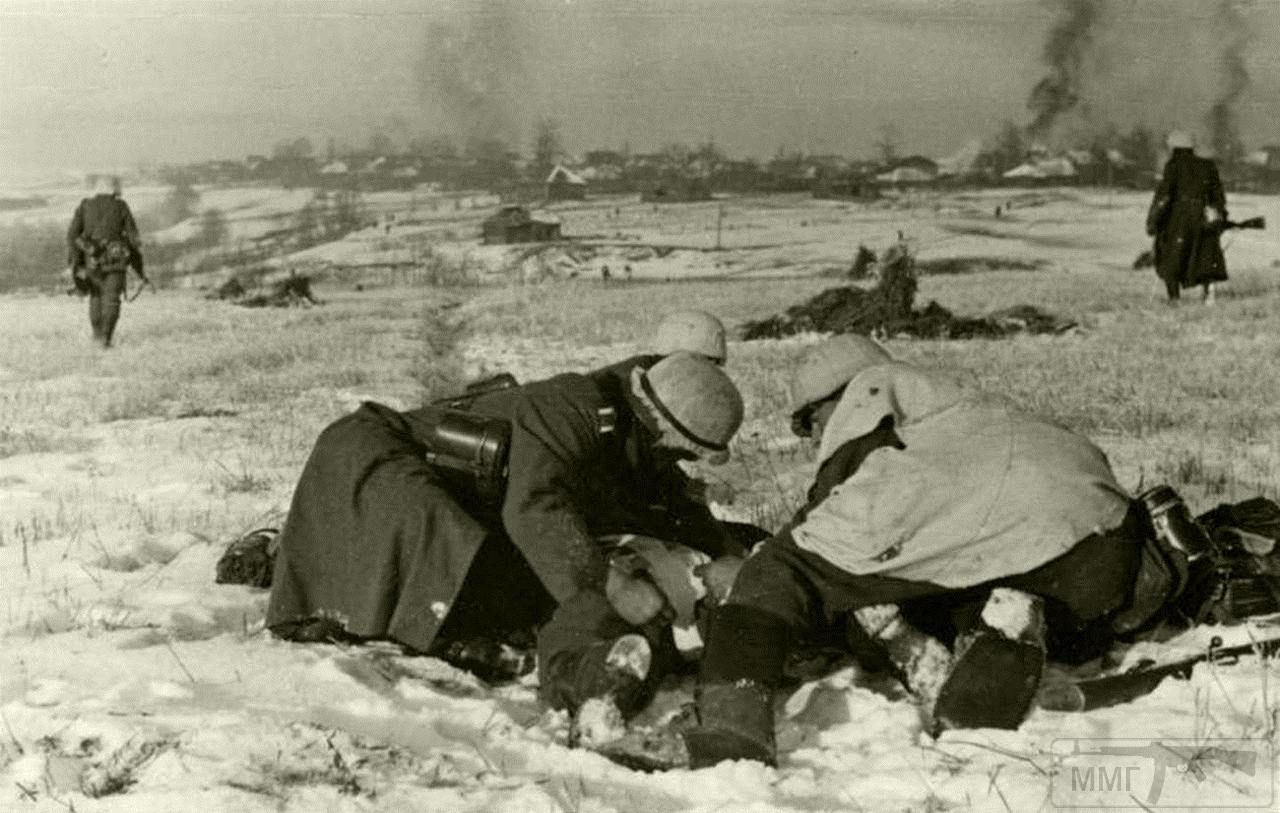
(632, 593)
(718, 576)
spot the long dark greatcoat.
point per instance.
(377, 541)
(1186, 252)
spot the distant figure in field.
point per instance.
(102, 244)
(604, 273)
(1186, 218)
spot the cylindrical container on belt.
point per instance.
(1174, 524)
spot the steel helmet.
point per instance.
(696, 397)
(828, 366)
(693, 332)
(104, 184)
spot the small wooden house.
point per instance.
(514, 224)
(563, 184)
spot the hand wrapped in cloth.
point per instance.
(632, 592)
(644, 570)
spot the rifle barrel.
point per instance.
(1110, 690)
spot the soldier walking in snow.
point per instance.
(1186, 218)
(102, 244)
(498, 513)
(948, 537)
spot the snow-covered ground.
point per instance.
(129, 681)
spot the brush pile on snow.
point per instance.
(888, 308)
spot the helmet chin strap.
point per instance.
(665, 418)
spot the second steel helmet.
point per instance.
(692, 332)
(825, 368)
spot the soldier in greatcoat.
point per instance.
(1186, 218)
(380, 542)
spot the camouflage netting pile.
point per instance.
(887, 309)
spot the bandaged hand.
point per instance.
(718, 576)
(632, 594)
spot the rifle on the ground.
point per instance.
(1099, 692)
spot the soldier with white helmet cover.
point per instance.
(948, 535)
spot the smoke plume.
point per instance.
(1064, 54)
(1222, 120)
(472, 69)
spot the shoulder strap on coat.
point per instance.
(606, 420)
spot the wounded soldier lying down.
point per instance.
(492, 515)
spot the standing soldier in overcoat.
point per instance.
(102, 244)
(388, 537)
(1186, 219)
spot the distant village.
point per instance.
(684, 173)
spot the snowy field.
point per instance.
(129, 681)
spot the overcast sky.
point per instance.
(111, 83)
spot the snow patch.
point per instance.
(1014, 614)
(47, 692)
(599, 721)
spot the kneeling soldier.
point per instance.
(947, 535)
(445, 523)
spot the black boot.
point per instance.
(997, 667)
(735, 721)
(741, 669)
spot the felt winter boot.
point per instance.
(741, 669)
(735, 721)
(998, 665)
